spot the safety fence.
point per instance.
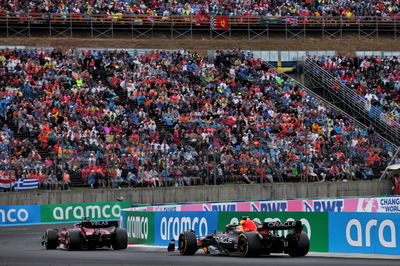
(370, 233)
(184, 26)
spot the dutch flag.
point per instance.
(5, 183)
(26, 184)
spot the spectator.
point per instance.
(66, 181)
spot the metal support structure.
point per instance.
(60, 30)
(178, 32)
(141, 26)
(295, 32)
(366, 32)
(260, 32)
(138, 32)
(105, 31)
(329, 31)
(214, 34)
(18, 28)
(396, 30)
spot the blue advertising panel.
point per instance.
(19, 215)
(370, 233)
(168, 225)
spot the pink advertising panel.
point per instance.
(377, 204)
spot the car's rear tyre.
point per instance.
(249, 244)
(50, 239)
(120, 239)
(187, 243)
(300, 247)
(73, 240)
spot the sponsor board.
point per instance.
(315, 224)
(384, 204)
(166, 208)
(377, 204)
(19, 215)
(168, 225)
(75, 211)
(139, 226)
(331, 205)
(370, 233)
(269, 206)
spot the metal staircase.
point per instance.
(329, 87)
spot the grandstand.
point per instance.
(113, 118)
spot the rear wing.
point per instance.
(270, 226)
(98, 224)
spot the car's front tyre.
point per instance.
(249, 244)
(50, 239)
(187, 243)
(73, 240)
(120, 239)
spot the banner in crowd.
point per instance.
(17, 215)
(5, 183)
(370, 233)
(21, 184)
(314, 224)
(373, 204)
(73, 212)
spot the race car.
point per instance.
(87, 235)
(247, 239)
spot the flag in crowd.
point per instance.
(23, 184)
(202, 18)
(5, 183)
(220, 23)
(292, 20)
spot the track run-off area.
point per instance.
(21, 245)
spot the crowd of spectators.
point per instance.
(345, 8)
(232, 119)
(376, 79)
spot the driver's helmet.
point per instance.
(248, 225)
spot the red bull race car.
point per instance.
(247, 239)
(87, 235)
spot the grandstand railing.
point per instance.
(386, 126)
(105, 25)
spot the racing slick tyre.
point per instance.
(249, 244)
(50, 239)
(187, 243)
(120, 239)
(73, 240)
(300, 247)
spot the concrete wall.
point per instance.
(203, 193)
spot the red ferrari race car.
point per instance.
(87, 235)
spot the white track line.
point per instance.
(314, 254)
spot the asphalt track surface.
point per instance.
(20, 245)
